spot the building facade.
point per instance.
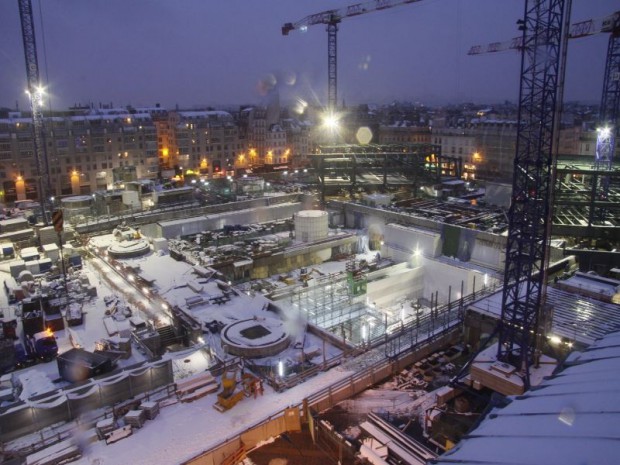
(81, 151)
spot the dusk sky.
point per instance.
(207, 52)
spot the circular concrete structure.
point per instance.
(311, 225)
(261, 337)
(77, 201)
(129, 249)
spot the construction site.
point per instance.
(381, 311)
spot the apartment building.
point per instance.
(82, 151)
(205, 143)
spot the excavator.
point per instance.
(305, 275)
(233, 391)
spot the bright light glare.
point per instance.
(604, 132)
(364, 135)
(555, 339)
(280, 368)
(331, 122)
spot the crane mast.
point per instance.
(331, 18)
(542, 69)
(35, 92)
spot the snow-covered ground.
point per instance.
(181, 430)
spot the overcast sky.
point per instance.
(218, 52)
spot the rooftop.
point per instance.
(571, 418)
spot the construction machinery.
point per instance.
(524, 314)
(35, 92)
(234, 391)
(331, 18)
(525, 318)
(607, 24)
(608, 126)
(305, 275)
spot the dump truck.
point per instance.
(42, 345)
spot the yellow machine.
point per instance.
(232, 391)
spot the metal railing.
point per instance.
(339, 390)
(440, 319)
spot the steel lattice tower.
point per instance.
(332, 66)
(529, 214)
(36, 103)
(608, 119)
(610, 101)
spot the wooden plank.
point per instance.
(198, 393)
(189, 385)
(118, 434)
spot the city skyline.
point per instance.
(207, 53)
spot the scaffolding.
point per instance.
(337, 304)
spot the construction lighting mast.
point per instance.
(608, 125)
(542, 69)
(35, 92)
(331, 18)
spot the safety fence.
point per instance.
(72, 403)
(138, 216)
(441, 318)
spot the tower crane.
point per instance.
(332, 18)
(524, 313)
(35, 91)
(608, 123)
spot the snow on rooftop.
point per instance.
(572, 418)
(575, 317)
(204, 114)
(592, 283)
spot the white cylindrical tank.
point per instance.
(311, 225)
(76, 202)
(76, 205)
